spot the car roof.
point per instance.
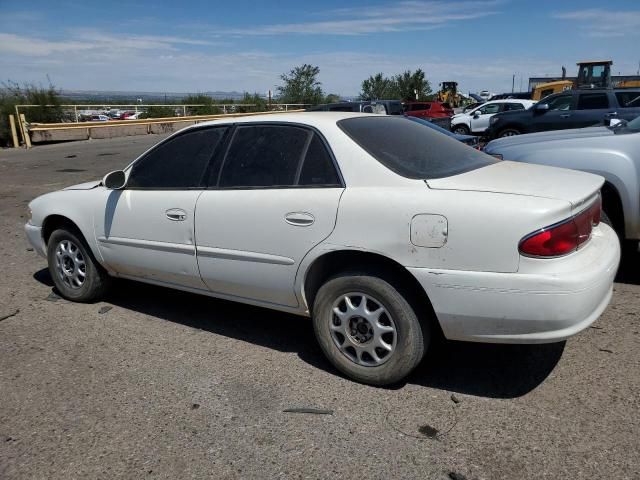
(509, 100)
(314, 119)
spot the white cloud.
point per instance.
(83, 40)
(596, 22)
(99, 61)
(398, 17)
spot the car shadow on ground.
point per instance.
(494, 371)
(629, 270)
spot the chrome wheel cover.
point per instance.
(70, 265)
(362, 329)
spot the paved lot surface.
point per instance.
(171, 385)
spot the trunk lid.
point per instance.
(514, 178)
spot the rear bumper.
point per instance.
(34, 235)
(545, 301)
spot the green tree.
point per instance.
(301, 85)
(331, 98)
(408, 83)
(378, 87)
(47, 103)
(160, 112)
(258, 103)
(206, 105)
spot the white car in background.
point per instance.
(383, 230)
(476, 121)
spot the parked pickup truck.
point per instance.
(612, 152)
(569, 109)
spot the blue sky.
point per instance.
(190, 46)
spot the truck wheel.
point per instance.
(461, 129)
(367, 329)
(75, 272)
(509, 132)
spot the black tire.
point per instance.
(461, 129)
(509, 132)
(411, 336)
(96, 280)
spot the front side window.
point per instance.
(513, 106)
(178, 163)
(411, 149)
(561, 102)
(271, 156)
(593, 101)
(489, 109)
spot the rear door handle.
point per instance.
(299, 219)
(565, 115)
(611, 114)
(176, 214)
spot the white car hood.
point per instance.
(525, 179)
(84, 186)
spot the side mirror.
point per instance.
(115, 180)
(476, 114)
(541, 107)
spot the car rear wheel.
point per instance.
(509, 132)
(75, 272)
(367, 329)
(461, 129)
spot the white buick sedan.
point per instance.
(384, 231)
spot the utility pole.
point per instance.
(513, 82)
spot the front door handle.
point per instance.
(565, 115)
(176, 214)
(611, 114)
(299, 219)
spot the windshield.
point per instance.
(631, 127)
(411, 149)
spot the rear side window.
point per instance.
(318, 167)
(178, 163)
(263, 156)
(271, 156)
(411, 149)
(628, 99)
(593, 101)
(420, 106)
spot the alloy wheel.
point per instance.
(70, 264)
(362, 329)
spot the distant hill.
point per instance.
(147, 97)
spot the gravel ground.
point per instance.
(157, 383)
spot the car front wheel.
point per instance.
(509, 132)
(461, 129)
(367, 329)
(75, 272)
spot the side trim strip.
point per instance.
(150, 245)
(243, 256)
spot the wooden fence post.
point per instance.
(25, 132)
(14, 135)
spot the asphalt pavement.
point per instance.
(155, 383)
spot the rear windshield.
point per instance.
(411, 149)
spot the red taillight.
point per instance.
(562, 238)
